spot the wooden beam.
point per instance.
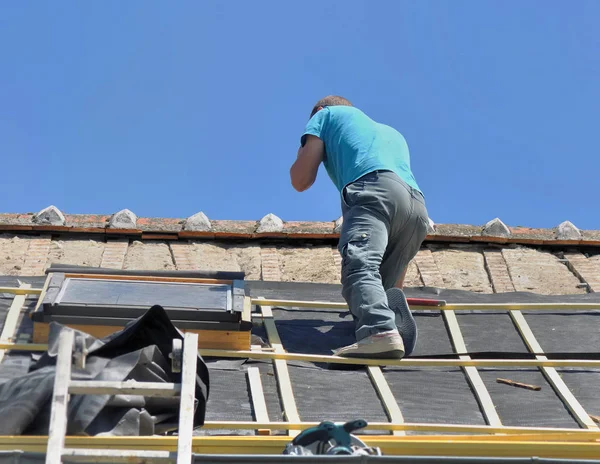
(282, 373)
(411, 426)
(129, 387)
(247, 312)
(125, 456)
(185, 430)
(481, 392)
(387, 397)
(390, 445)
(257, 397)
(447, 307)
(9, 329)
(23, 346)
(24, 289)
(213, 339)
(407, 362)
(60, 398)
(551, 374)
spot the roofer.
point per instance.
(384, 220)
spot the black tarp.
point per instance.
(138, 352)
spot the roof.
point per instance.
(489, 259)
(127, 223)
(299, 261)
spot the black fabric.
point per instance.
(442, 395)
(332, 292)
(523, 407)
(138, 352)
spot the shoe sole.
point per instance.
(405, 321)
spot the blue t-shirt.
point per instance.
(356, 145)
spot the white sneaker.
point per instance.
(384, 345)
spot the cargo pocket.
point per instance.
(355, 253)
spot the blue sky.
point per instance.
(170, 108)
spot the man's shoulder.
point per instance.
(345, 112)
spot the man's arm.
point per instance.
(304, 171)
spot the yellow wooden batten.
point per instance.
(390, 445)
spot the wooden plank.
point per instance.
(387, 397)
(188, 395)
(481, 392)
(126, 456)
(24, 289)
(551, 374)
(151, 236)
(257, 396)
(406, 362)
(23, 346)
(209, 339)
(247, 311)
(129, 387)
(191, 280)
(413, 426)
(392, 446)
(40, 301)
(60, 398)
(12, 318)
(282, 373)
(266, 353)
(446, 307)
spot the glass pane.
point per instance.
(100, 292)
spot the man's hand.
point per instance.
(304, 171)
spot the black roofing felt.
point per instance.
(441, 395)
(430, 395)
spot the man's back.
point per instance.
(356, 145)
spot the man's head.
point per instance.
(331, 100)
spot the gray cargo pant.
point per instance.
(385, 222)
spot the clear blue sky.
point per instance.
(170, 108)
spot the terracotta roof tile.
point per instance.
(16, 219)
(308, 228)
(87, 221)
(160, 224)
(227, 229)
(457, 230)
(528, 233)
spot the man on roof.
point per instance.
(384, 220)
